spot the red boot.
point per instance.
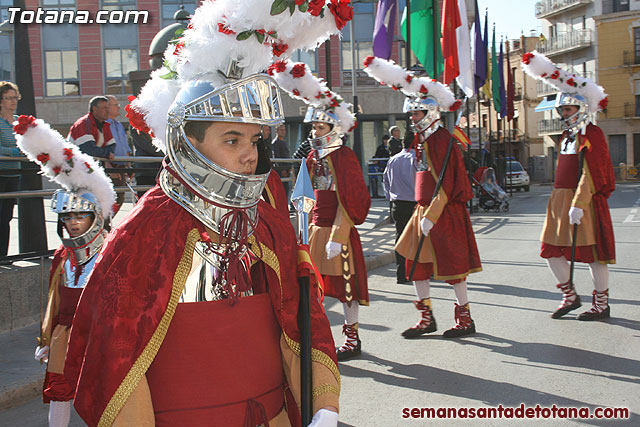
(352, 346)
(464, 323)
(570, 300)
(599, 307)
(427, 322)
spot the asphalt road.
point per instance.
(519, 354)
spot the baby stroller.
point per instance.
(492, 197)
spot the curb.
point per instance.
(18, 393)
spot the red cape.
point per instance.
(352, 191)
(275, 195)
(454, 244)
(118, 326)
(596, 156)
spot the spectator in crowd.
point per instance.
(399, 182)
(145, 148)
(395, 144)
(266, 138)
(281, 151)
(303, 150)
(122, 146)
(9, 96)
(91, 132)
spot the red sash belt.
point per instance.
(567, 171)
(425, 186)
(219, 365)
(69, 298)
(325, 209)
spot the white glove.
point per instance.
(426, 225)
(575, 215)
(324, 418)
(333, 249)
(42, 353)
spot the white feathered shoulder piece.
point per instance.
(540, 67)
(63, 162)
(388, 73)
(299, 82)
(251, 33)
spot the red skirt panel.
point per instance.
(583, 253)
(219, 364)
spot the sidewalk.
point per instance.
(21, 376)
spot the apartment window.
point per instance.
(61, 73)
(636, 45)
(169, 7)
(613, 6)
(58, 3)
(308, 57)
(118, 64)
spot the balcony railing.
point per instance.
(631, 109)
(550, 126)
(546, 8)
(630, 58)
(544, 89)
(566, 42)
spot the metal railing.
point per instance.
(550, 126)
(630, 58)
(566, 42)
(546, 8)
(631, 109)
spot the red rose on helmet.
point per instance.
(89, 168)
(315, 7)
(299, 2)
(368, 60)
(296, 92)
(279, 48)
(298, 70)
(24, 123)
(455, 105)
(526, 58)
(423, 89)
(178, 49)
(555, 75)
(408, 78)
(68, 154)
(603, 103)
(57, 170)
(135, 118)
(43, 158)
(342, 12)
(224, 30)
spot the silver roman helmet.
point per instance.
(581, 118)
(330, 142)
(80, 201)
(431, 109)
(204, 188)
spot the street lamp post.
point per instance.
(357, 134)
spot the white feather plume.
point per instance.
(540, 67)
(64, 163)
(390, 74)
(225, 30)
(313, 91)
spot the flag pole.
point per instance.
(436, 39)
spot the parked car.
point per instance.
(516, 177)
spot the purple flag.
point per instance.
(503, 95)
(480, 65)
(384, 28)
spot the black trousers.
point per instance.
(401, 212)
(7, 184)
